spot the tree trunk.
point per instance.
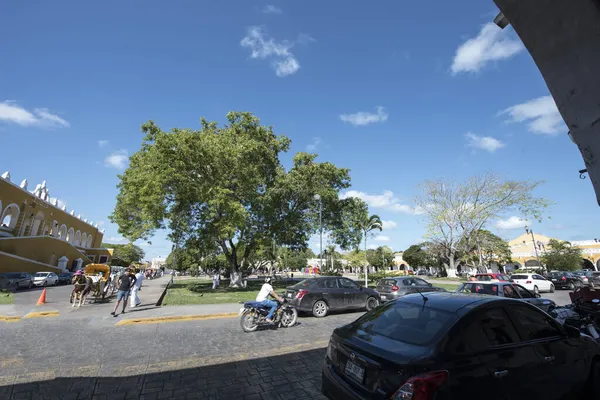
(366, 263)
(451, 270)
(236, 278)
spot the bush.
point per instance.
(375, 276)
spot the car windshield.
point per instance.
(519, 277)
(41, 275)
(12, 275)
(407, 323)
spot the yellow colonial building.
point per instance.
(36, 234)
(524, 249)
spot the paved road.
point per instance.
(202, 359)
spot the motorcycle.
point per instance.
(583, 313)
(252, 315)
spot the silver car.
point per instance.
(18, 280)
(393, 288)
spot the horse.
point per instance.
(82, 286)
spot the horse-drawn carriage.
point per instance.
(95, 280)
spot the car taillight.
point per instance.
(563, 278)
(395, 288)
(422, 387)
(528, 282)
(301, 294)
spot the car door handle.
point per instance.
(346, 292)
(500, 374)
(549, 358)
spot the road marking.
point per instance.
(181, 318)
(41, 314)
(9, 318)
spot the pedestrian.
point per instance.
(215, 280)
(126, 282)
(135, 300)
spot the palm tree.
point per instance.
(367, 225)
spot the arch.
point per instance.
(10, 216)
(37, 220)
(587, 264)
(532, 263)
(70, 235)
(25, 224)
(62, 232)
(77, 240)
(54, 229)
(84, 239)
(402, 267)
(89, 241)
(46, 231)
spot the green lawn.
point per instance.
(6, 298)
(195, 291)
(448, 286)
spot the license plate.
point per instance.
(289, 295)
(354, 371)
(383, 297)
(554, 280)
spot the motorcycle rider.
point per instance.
(263, 298)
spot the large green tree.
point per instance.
(124, 254)
(225, 187)
(483, 248)
(381, 258)
(562, 256)
(418, 256)
(456, 210)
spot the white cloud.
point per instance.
(100, 223)
(491, 44)
(11, 112)
(486, 143)
(387, 225)
(115, 240)
(263, 47)
(382, 238)
(304, 38)
(386, 201)
(372, 246)
(102, 143)
(362, 118)
(541, 116)
(314, 144)
(117, 159)
(59, 202)
(511, 223)
(271, 9)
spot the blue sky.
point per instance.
(397, 91)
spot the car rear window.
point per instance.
(407, 323)
(483, 277)
(303, 284)
(519, 276)
(556, 274)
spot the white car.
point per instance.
(45, 279)
(533, 282)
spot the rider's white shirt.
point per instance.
(265, 290)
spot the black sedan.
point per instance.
(327, 293)
(506, 289)
(392, 288)
(457, 346)
(65, 278)
(565, 280)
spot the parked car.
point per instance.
(422, 272)
(589, 278)
(492, 277)
(533, 282)
(6, 285)
(456, 346)
(19, 279)
(392, 288)
(507, 289)
(65, 278)
(45, 279)
(327, 293)
(565, 280)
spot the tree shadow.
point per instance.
(288, 376)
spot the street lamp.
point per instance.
(318, 199)
(535, 245)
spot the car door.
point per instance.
(331, 293)
(559, 360)
(542, 283)
(354, 296)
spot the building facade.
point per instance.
(37, 234)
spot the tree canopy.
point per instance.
(381, 257)
(224, 189)
(418, 256)
(457, 211)
(562, 256)
(124, 254)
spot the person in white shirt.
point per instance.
(135, 300)
(263, 298)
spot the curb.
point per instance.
(41, 314)
(10, 318)
(178, 318)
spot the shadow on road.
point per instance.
(289, 376)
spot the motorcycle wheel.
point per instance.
(248, 321)
(289, 317)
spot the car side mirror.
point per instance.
(572, 332)
(430, 285)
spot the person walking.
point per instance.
(126, 282)
(137, 286)
(215, 280)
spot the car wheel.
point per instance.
(571, 286)
(45, 283)
(30, 285)
(592, 284)
(551, 288)
(372, 303)
(320, 309)
(536, 290)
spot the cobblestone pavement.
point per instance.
(196, 360)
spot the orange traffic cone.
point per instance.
(42, 298)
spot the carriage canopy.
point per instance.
(94, 269)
